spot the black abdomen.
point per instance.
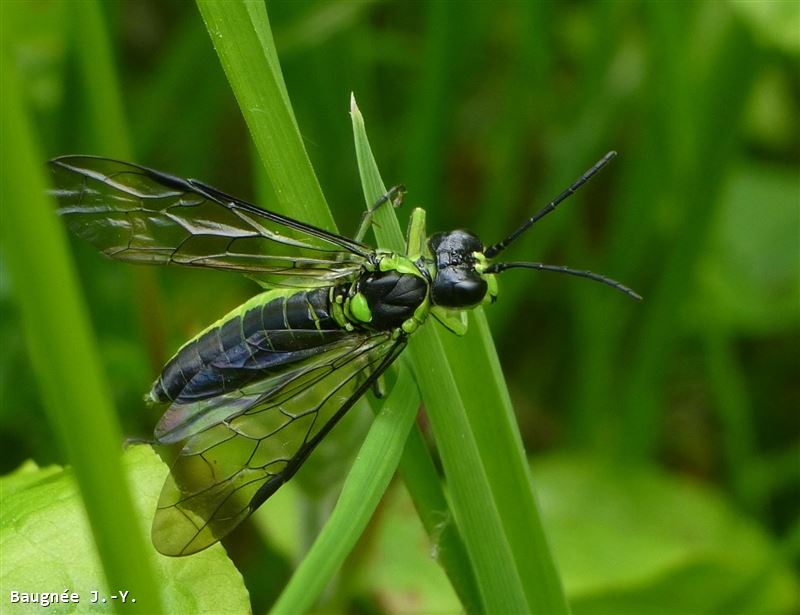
(265, 334)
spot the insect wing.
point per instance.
(280, 370)
(136, 214)
(225, 471)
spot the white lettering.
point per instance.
(46, 599)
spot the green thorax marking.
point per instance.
(359, 308)
(353, 309)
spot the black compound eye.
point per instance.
(457, 288)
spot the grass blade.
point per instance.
(362, 491)
(247, 55)
(242, 38)
(62, 351)
(484, 529)
(421, 479)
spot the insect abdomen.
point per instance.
(268, 332)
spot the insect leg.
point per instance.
(379, 388)
(394, 196)
(134, 440)
(415, 237)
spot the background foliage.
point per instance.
(664, 435)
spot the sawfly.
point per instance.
(249, 398)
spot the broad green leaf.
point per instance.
(641, 541)
(47, 545)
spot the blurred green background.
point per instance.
(664, 436)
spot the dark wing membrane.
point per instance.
(136, 214)
(229, 468)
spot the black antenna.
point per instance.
(495, 249)
(499, 267)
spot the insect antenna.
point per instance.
(495, 249)
(499, 267)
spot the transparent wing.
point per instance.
(229, 468)
(136, 214)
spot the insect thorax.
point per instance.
(393, 295)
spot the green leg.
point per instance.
(379, 387)
(416, 239)
(394, 196)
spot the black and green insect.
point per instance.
(250, 397)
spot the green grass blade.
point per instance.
(108, 134)
(720, 104)
(235, 31)
(63, 353)
(486, 528)
(416, 465)
(476, 366)
(726, 379)
(183, 68)
(242, 38)
(419, 476)
(362, 491)
(105, 113)
(422, 482)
